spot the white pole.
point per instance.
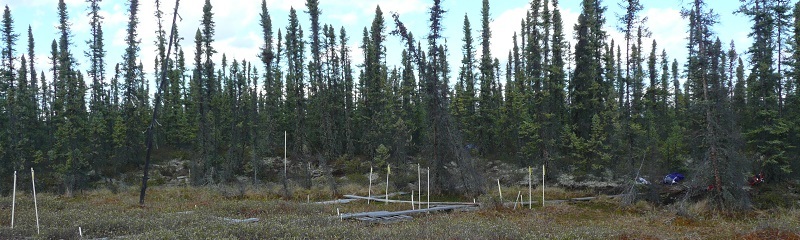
(429, 187)
(285, 139)
(412, 199)
(530, 188)
(419, 186)
(388, 171)
(516, 199)
(369, 191)
(543, 185)
(13, 199)
(35, 205)
(80, 232)
(500, 190)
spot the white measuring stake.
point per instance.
(500, 190)
(530, 188)
(80, 232)
(412, 199)
(35, 205)
(543, 185)
(13, 199)
(419, 186)
(429, 187)
(388, 171)
(285, 150)
(370, 185)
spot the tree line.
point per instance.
(600, 107)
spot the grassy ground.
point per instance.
(196, 213)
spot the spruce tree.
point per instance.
(793, 98)
(486, 111)
(464, 101)
(781, 12)
(630, 21)
(99, 118)
(10, 152)
(349, 99)
(70, 111)
(9, 38)
(586, 88)
(554, 108)
(716, 144)
(272, 93)
(199, 95)
(375, 82)
(25, 120)
(130, 148)
(212, 97)
(295, 86)
(767, 131)
(32, 62)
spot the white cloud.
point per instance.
(669, 29)
(569, 18)
(509, 22)
(387, 6)
(356, 55)
(345, 18)
(118, 39)
(38, 3)
(503, 28)
(113, 18)
(285, 4)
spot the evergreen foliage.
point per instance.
(593, 109)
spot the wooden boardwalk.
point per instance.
(348, 200)
(397, 216)
(390, 217)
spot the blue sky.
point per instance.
(238, 34)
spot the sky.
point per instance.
(238, 33)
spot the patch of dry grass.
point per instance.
(196, 213)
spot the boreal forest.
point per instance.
(592, 108)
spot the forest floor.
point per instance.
(208, 213)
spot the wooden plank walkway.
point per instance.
(385, 220)
(409, 202)
(389, 217)
(580, 199)
(348, 200)
(396, 216)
